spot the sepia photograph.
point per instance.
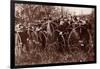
(48, 33)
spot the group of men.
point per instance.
(63, 23)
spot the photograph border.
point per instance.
(12, 32)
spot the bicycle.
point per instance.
(79, 36)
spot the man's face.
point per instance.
(21, 27)
(61, 22)
(29, 25)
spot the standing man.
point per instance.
(22, 33)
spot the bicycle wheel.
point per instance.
(18, 45)
(79, 39)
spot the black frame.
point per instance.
(12, 36)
